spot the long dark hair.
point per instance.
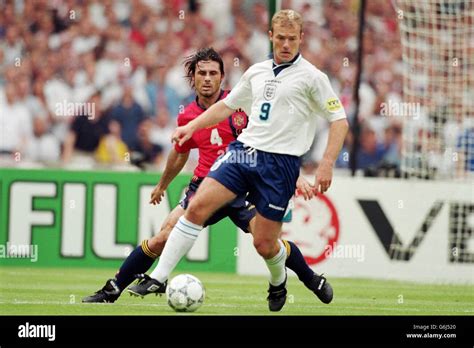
(191, 62)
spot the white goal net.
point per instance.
(437, 38)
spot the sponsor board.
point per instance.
(94, 219)
(382, 228)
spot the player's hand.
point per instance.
(323, 176)
(182, 134)
(303, 187)
(157, 194)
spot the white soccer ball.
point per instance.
(185, 293)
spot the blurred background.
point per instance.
(127, 56)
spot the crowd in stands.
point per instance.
(88, 82)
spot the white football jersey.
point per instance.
(282, 109)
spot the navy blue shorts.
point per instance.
(269, 178)
(239, 210)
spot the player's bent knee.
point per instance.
(264, 248)
(196, 213)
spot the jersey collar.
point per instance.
(202, 107)
(277, 68)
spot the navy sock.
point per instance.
(296, 262)
(139, 261)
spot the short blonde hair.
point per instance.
(287, 18)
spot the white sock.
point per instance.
(180, 241)
(276, 266)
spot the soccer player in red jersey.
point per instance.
(205, 71)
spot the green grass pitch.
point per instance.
(55, 291)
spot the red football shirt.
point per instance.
(212, 141)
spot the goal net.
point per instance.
(437, 38)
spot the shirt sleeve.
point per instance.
(188, 145)
(324, 96)
(241, 95)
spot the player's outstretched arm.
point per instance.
(215, 114)
(174, 165)
(337, 133)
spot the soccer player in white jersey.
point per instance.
(283, 97)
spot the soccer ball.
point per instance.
(185, 293)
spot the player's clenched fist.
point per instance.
(157, 195)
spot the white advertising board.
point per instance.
(382, 228)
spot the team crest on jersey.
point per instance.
(239, 121)
(269, 91)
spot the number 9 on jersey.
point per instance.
(265, 111)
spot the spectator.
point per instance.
(371, 152)
(15, 124)
(85, 134)
(34, 105)
(465, 149)
(161, 130)
(393, 144)
(129, 114)
(111, 148)
(12, 46)
(160, 94)
(146, 152)
(43, 146)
